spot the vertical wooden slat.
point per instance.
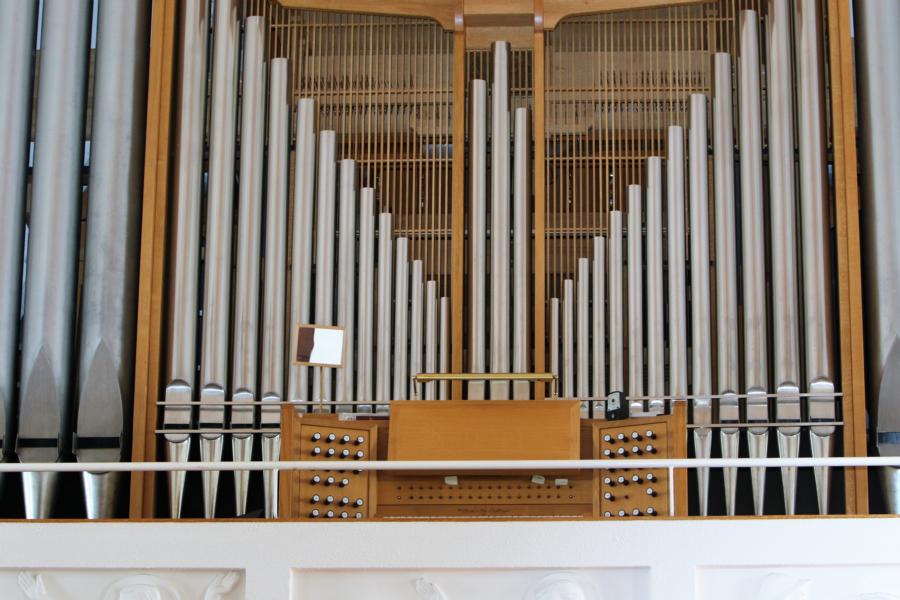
(539, 249)
(458, 204)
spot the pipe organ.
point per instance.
(643, 197)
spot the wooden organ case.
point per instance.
(603, 81)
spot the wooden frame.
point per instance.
(456, 15)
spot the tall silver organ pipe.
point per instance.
(817, 311)
(656, 360)
(878, 80)
(109, 293)
(598, 322)
(583, 332)
(444, 347)
(500, 295)
(521, 246)
(365, 305)
(325, 201)
(431, 336)
(18, 20)
(302, 239)
(52, 258)
(416, 314)
(401, 320)
(185, 253)
(701, 351)
(568, 339)
(753, 268)
(383, 325)
(275, 274)
(217, 255)
(477, 234)
(245, 346)
(785, 319)
(616, 308)
(678, 387)
(727, 356)
(346, 289)
(635, 299)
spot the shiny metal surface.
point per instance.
(365, 305)
(383, 325)
(568, 340)
(444, 349)
(656, 359)
(583, 332)
(500, 198)
(478, 342)
(302, 239)
(325, 204)
(521, 338)
(275, 270)
(346, 272)
(753, 254)
(48, 328)
(635, 299)
(245, 344)
(598, 323)
(184, 254)
(677, 296)
(814, 234)
(701, 336)
(217, 253)
(112, 246)
(878, 82)
(431, 336)
(18, 19)
(555, 335)
(782, 211)
(416, 316)
(401, 320)
(616, 306)
(271, 450)
(727, 356)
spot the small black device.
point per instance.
(616, 406)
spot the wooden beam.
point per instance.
(539, 250)
(458, 208)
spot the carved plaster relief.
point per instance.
(833, 582)
(108, 584)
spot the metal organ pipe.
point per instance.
(247, 256)
(635, 300)
(554, 338)
(785, 320)
(274, 294)
(185, 255)
(500, 295)
(444, 347)
(616, 308)
(18, 20)
(217, 254)
(701, 352)
(302, 240)
(365, 305)
(521, 247)
(753, 232)
(878, 82)
(477, 234)
(48, 328)
(583, 332)
(325, 201)
(598, 322)
(384, 325)
(416, 314)
(726, 271)
(109, 293)
(401, 320)
(678, 387)
(568, 339)
(817, 308)
(656, 360)
(346, 292)
(431, 335)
